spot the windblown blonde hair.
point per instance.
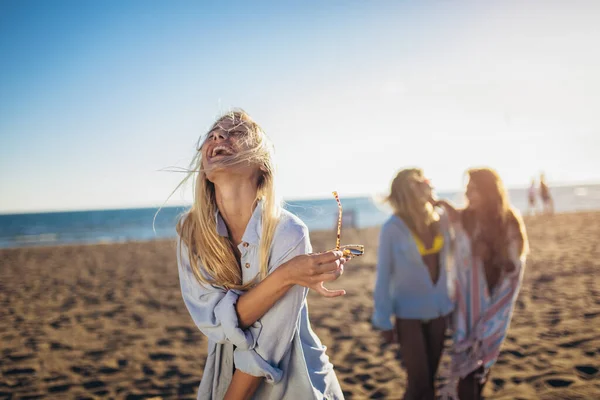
(198, 230)
(407, 205)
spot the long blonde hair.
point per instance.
(406, 204)
(206, 248)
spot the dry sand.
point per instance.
(108, 321)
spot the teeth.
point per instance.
(223, 148)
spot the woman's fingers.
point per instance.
(327, 257)
(323, 291)
(328, 267)
(329, 276)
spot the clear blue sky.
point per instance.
(97, 96)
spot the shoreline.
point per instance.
(317, 232)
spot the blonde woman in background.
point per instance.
(412, 284)
(491, 249)
(245, 268)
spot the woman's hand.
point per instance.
(312, 270)
(451, 210)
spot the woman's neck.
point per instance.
(236, 200)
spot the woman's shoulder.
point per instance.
(394, 225)
(290, 225)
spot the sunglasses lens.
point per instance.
(354, 250)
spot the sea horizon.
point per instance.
(150, 223)
(284, 200)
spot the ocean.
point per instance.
(106, 226)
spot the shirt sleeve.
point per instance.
(212, 308)
(383, 307)
(279, 326)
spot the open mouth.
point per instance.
(220, 151)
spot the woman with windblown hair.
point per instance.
(411, 285)
(491, 248)
(245, 268)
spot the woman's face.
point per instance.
(473, 195)
(422, 188)
(223, 143)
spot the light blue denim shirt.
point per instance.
(403, 287)
(280, 346)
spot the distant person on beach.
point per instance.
(411, 284)
(244, 266)
(491, 248)
(532, 195)
(547, 202)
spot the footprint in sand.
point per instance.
(95, 354)
(380, 394)
(108, 370)
(161, 356)
(59, 388)
(139, 320)
(60, 322)
(142, 383)
(350, 380)
(591, 315)
(59, 346)
(368, 387)
(514, 353)
(19, 371)
(68, 304)
(148, 371)
(83, 371)
(586, 371)
(363, 377)
(173, 371)
(343, 369)
(32, 397)
(188, 388)
(353, 359)
(94, 385)
(334, 329)
(559, 383)
(498, 383)
(20, 357)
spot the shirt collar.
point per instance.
(253, 229)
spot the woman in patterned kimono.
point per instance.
(490, 249)
(245, 266)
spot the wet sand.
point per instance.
(108, 321)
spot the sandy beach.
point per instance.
(108, 321)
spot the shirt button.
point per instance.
(245, 244)
(247, 265)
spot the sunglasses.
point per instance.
(349, 250)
